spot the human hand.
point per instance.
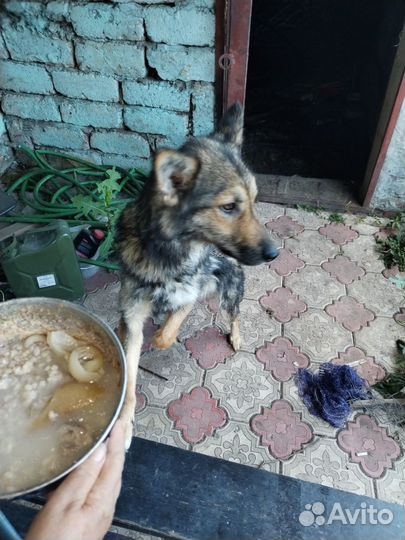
(82, 507)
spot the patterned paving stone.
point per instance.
(197, 415)
(393, 272)
(319, 426)
(181, 371)
(241, 386)
(366, 366)
(391, 487)
(235, 442)
(318, 335)
(256, 326)
(363, 224)
(153, 424)
(315, 287)
(209, 347)
(104, 304)
(259, 279)
(285, 227)
(99, 280)
(378, 340)
(312, 248)
(283, 304)
(343, 269)
(281, 429)
(364, 251)
(322, 462)
(400, 316)
(200, 317)
(149, 330)
(267, 211)
(141, 400)
(378, 294)
(369, 445)
(281, 358)
(350, 313)
(310, 220)
(338, 233)
(286, 263)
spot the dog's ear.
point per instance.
(230, 129)
(175, 173)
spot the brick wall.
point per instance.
(110, 81)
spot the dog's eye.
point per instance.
(228, 208)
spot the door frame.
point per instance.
(232, 55)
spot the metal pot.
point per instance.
(69, 309)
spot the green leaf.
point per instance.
(110, 186)
(91, 209)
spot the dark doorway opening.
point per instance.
(317, 75)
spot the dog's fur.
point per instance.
(199, 199)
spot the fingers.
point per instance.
(78, 484)
(108, 484)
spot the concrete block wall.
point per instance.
(110, 81)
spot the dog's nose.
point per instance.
(270, 252)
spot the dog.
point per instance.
(185, 238)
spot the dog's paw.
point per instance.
(235, 340)
(160, 341)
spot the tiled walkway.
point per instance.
(326, 298)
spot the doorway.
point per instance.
(317, 75)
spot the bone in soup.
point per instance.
(59, 390)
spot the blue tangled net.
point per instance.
(327, 394)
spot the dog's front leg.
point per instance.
(134, 318)
(167, 334)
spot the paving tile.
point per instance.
(366, 366)
(393, 272)
(283, 304)
(391, 487)
(314, 286)
(281, 429)
(318, 335)
(196, 415)
(99, 280)
(199, 317)
(310, 220)
(319, 426)
(343, 269)
(209, 347)
(141, 399)
(324, 463)
(399, 317)
(363, 250)
(241, 386)
(369, 445)
(378, 294)
(378, 340)
(235, 442)
(181, 371)
(256, 326)
(312, 247)
(363, 224)
(104, 304)
(267, 211)
(149, 330)
(153, 424)
(285, 227)
(351, 314)
(281, 358)
(286, 263)
(260, 279)
(339, 233)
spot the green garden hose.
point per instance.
(73, 194)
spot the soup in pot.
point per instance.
(59, 389)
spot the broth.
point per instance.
(48, 419)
